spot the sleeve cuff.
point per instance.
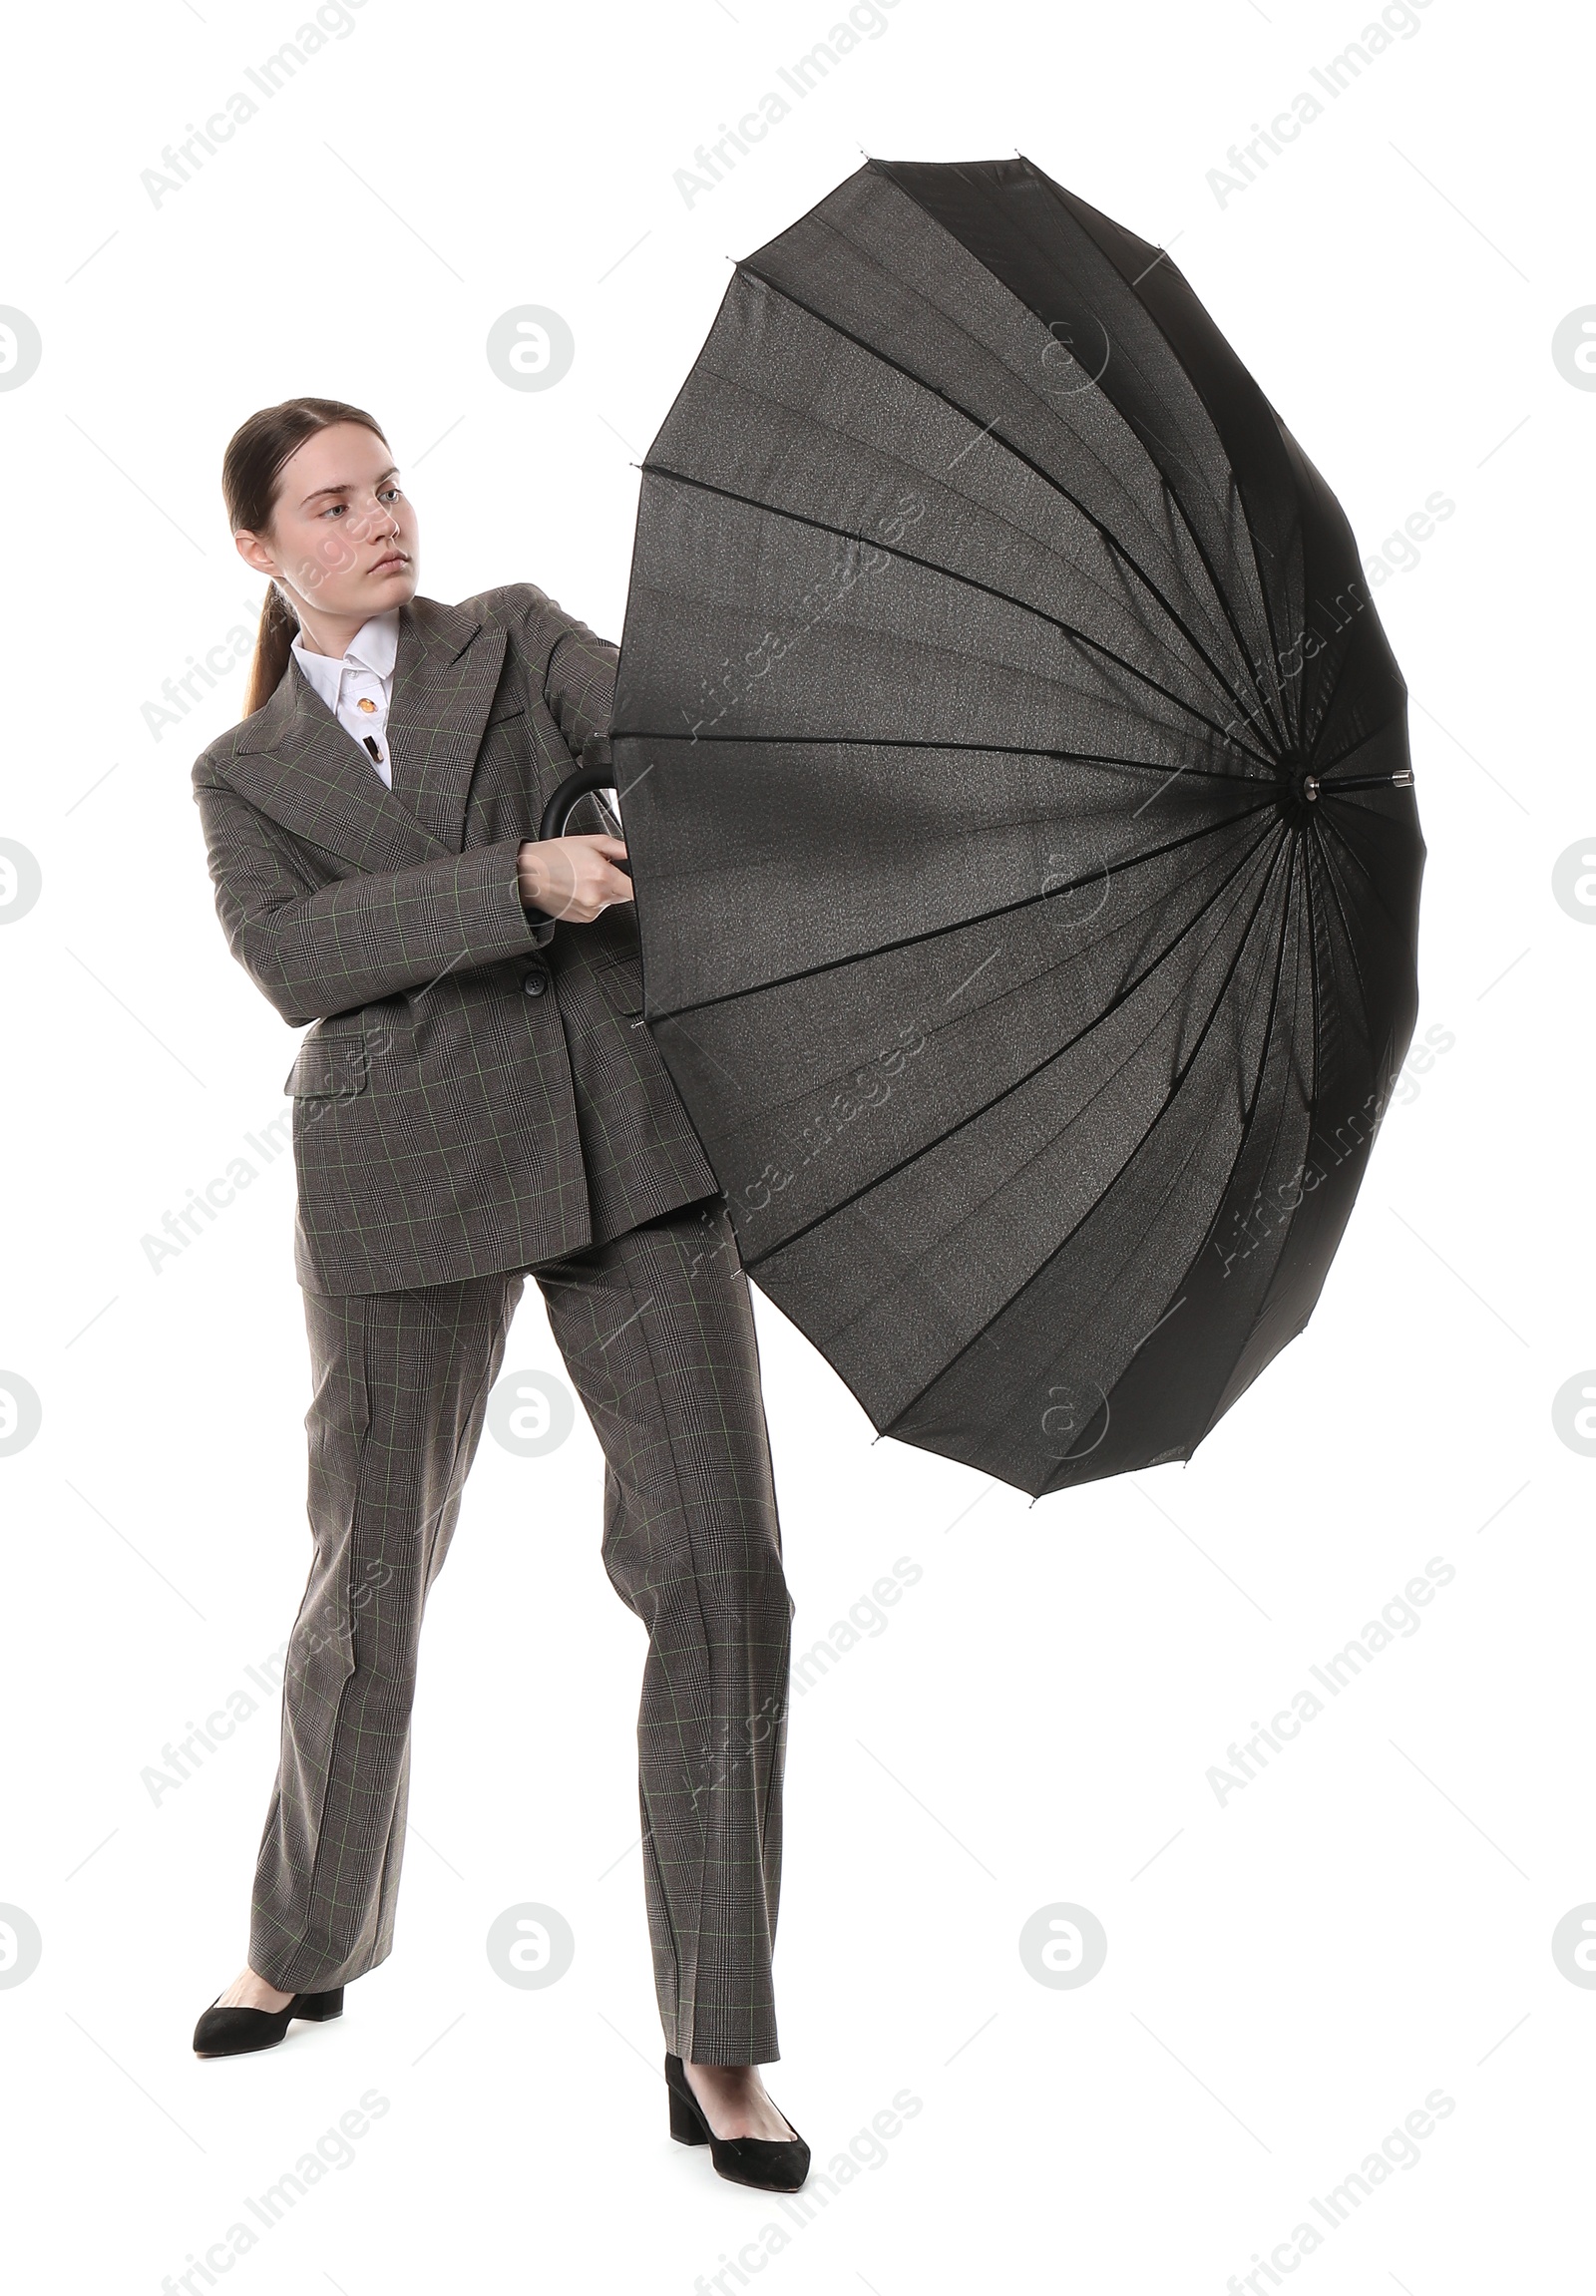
(492, 912)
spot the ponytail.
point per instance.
(250, 469)
(279, 626)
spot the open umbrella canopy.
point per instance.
(1016, 785)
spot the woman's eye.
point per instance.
(385, 494)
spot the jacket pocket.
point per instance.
(622, 982)
(329, 1068)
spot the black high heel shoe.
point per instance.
(774, 2164)
(235, 2032)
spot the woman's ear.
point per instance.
(255, 552)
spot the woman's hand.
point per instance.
(572, 878)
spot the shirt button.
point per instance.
(535, 983)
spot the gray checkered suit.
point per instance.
(479, 1099)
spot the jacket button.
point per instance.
(535, 983)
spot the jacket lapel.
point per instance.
(295, 763)
(445, 677)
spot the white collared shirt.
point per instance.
(356, 686)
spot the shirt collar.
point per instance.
(374, 647)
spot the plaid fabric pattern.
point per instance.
(656, 1331)
(479, 1092)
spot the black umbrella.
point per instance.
(1015, 774)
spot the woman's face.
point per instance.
(342, 539)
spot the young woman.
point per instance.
(478, 1100)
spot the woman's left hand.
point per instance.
(574, 879)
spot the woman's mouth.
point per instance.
(392, 562)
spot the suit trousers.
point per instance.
(658, 1335)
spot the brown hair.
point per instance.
(250, 469)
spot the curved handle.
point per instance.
(561, 806)
(597, 773)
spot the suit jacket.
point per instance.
(468, 1100)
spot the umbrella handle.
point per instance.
(559, 809)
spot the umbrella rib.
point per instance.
(1345, 926)
(925, 1146)
(956, 925)
(968, 748)
(1208, 1424)
(1169, 1102)
(1284, 846)
(1265, 696)
(1329, 702)
(1269, 1024)
(1352, 855)
(1241, 1144)
(1048, 479)
(1262, 594)
(1313, 967)
(969, 581)
(1307, 880)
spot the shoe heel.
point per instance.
(685, 2126)
(320, 2008)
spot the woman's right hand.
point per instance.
(574, 879)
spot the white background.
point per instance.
(1289, 1972)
